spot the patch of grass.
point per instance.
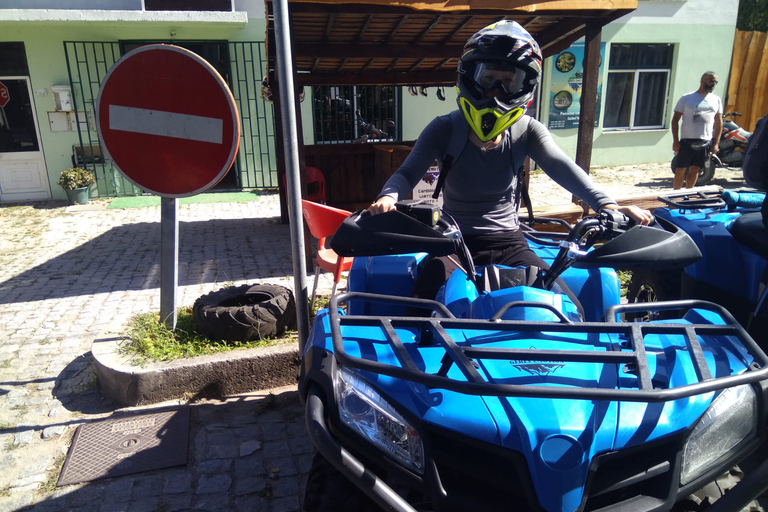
(53, 475)
(624, 277)
(150, 339)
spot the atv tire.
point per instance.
(706, 173)
(329, 491)
(647, 286)
(245, 313)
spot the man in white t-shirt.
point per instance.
(702, 115)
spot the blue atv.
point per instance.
(507, 397)
(728, 229)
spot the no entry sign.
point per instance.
(5, 96)
(168, 121)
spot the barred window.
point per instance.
(356, 114)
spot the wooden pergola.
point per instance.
(418, 43)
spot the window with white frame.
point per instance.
(638, 86)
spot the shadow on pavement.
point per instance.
(128, 258)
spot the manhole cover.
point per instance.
(127, 445)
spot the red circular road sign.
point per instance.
(168, 121)
(5, 96)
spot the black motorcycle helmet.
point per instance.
(498, 74)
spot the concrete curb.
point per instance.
(217, 375)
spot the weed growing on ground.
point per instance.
(624, 277)
(53, 475)
(150, 340)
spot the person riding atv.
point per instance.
(498, 72)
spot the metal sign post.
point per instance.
(169, 259)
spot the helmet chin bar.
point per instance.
(487, 123)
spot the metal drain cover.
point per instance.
(127, 445)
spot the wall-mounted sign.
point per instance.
(565, 87)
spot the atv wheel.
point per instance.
(330, 491)
(245, 313)
(646, 286)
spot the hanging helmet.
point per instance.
(499, 70)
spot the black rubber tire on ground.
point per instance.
(652, 286)
(246, 312)
(706, 173)
(329, 491)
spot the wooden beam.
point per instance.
(588, 101)
(376, 51)
(435, 78)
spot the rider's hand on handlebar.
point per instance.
(382, 204)
(635, 213)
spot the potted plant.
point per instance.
(77, 182)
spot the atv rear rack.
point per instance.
(632, 353)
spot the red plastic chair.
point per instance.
(315, 184)
(323, 221)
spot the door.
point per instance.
(23, 176)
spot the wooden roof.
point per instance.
(402, 42)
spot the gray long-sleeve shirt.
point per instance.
(481, 185)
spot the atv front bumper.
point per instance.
(352, 468)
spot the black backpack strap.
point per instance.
(444, 168)
(526, 199)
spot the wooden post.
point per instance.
(588, 102)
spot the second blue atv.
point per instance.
(507, 398)
(728, 229)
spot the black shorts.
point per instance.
(693, 152)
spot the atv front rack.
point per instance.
(631, 352)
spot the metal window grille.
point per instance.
(356, 114)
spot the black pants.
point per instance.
(510, 249)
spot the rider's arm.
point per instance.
(571, 177)
(432, 142)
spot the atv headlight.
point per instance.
(368, 414)
(730, 419)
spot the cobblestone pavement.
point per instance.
(68, 273)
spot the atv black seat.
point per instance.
(750, 231)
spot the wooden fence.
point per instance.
(747, 91)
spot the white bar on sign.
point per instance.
(166, 124)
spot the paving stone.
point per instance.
(178, 484)
(213, 484)
(15, 503)
(213, 502)
(53, 431)
(176, 503)
(24, 437)
(250, 485)
(119, 491)
(147, 487)
(285, 487)
(222, 452)
(252, 504)
(215, 466)
(248, 447)
(150, 504)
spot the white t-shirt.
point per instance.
(699, 112)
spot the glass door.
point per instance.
(23, 174)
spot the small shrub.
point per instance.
(76, 178)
